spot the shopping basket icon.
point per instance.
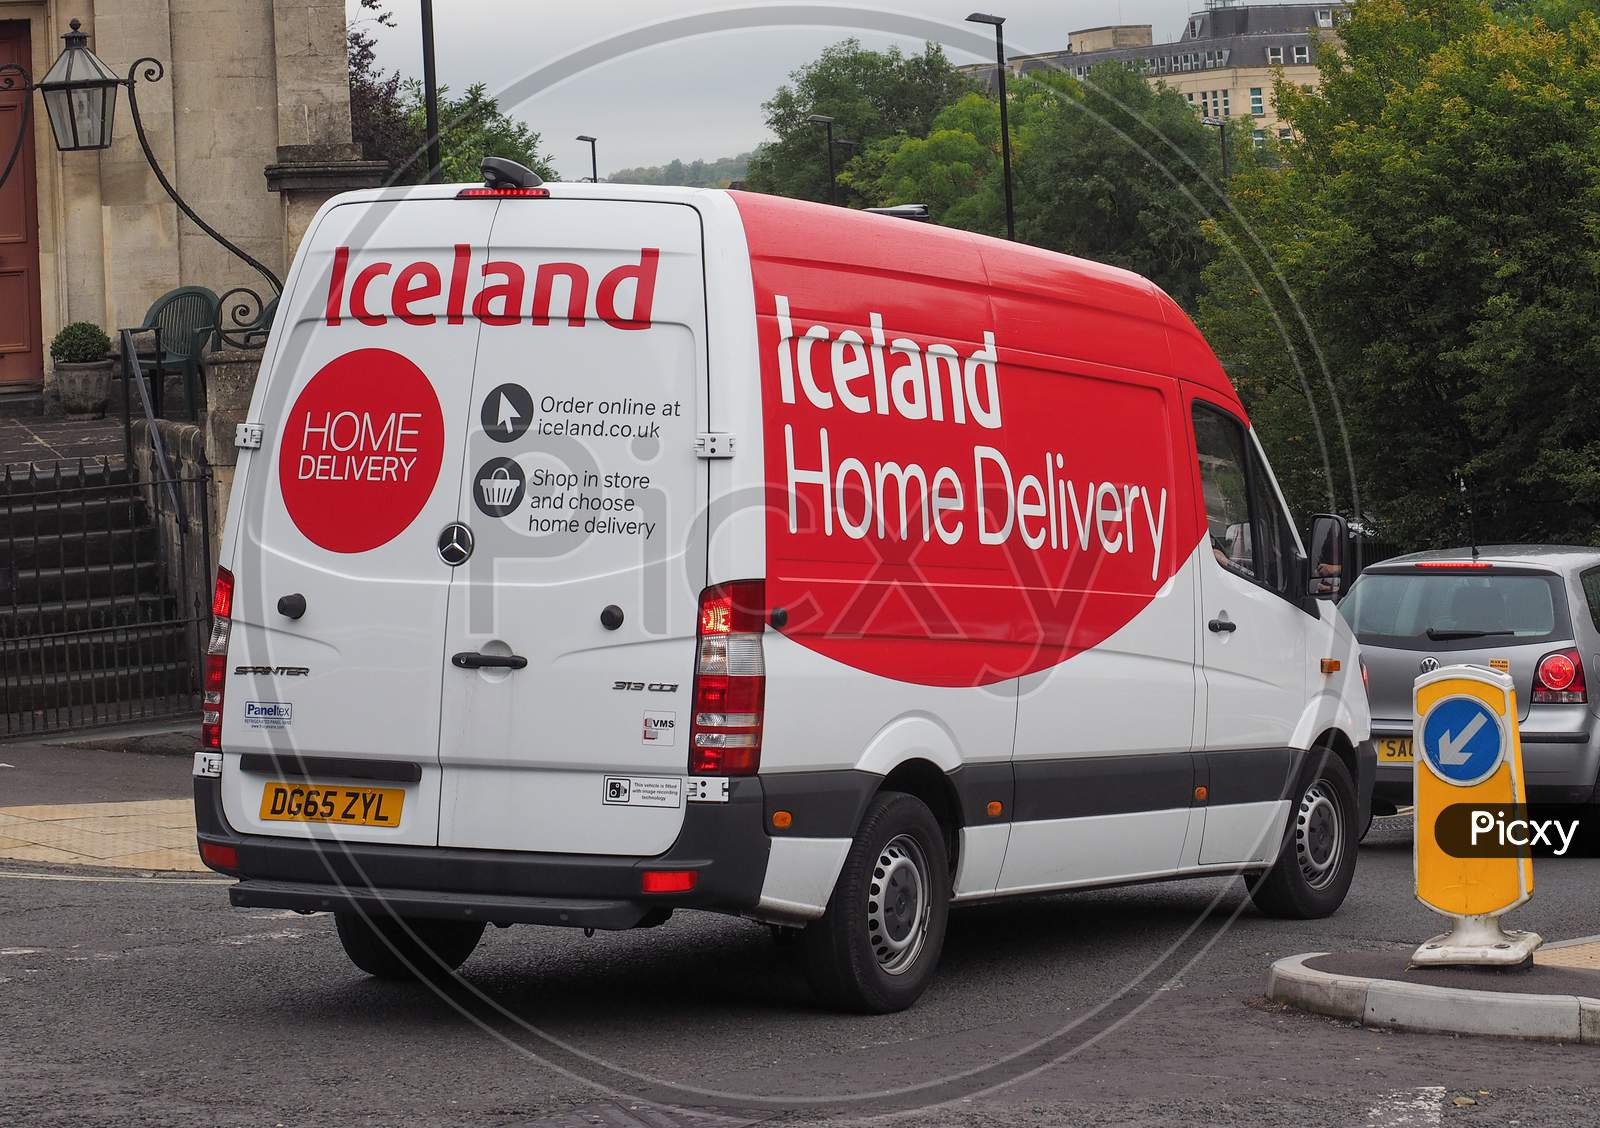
(499, 488)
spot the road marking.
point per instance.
(116, 880)
(1450, 747)
(1408, 1108)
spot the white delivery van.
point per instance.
(598, 552)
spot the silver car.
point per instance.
(1530, 610)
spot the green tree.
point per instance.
(869, 94)
(696, 174)
(1108, 168)
(388, 120)
(1437, 227)
(472, 127)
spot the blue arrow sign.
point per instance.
(1462, 740)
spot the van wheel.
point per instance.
(876, 947)
(383, 946)
(1318, 858)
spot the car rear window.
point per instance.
(1463, 610)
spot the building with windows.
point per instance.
(1225, 63)
(250, 121)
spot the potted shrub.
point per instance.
(83, 368)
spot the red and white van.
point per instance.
(598, 551)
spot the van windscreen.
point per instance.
(1451, 610)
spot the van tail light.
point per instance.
(503, 194)
(216, 672)
(1558, 679)
(730, 681)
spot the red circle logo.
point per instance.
(361, 451)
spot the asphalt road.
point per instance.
(141, 1002)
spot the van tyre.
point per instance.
(876, 947)
(390, 948)
(1318, 858)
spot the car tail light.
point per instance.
(668, 881)
(1558, 679)
(216, 672)
(1366, 679)
(503, 194)
(730, 681)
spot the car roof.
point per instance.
(1563, 557)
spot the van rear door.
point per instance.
(365, 417)
(570, 638)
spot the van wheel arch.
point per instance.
(928, 782)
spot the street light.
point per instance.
(833, 184)
(1005, 125)
(1220, 124)
(594, 161)
(430, 96)
(80, 98)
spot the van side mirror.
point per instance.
(1329, 535)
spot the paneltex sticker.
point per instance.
(1501, 664)
(643, 791)
(660, 728)
(268, 714)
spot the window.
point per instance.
(1165, 64)
(1258, 104)
(1259, 137)
(1225, 94)
(1302, 54)
(1248, 529)
(1324, 17)
(1591, 593)
(1285, 133)
(1274, 56)
(1190, 96)
(1446, 610)
(1219, 440)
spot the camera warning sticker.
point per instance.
(642, 791)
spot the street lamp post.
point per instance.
(996, 22)
(594, 160)
(1220, 124)
(80, 99)
(430, 96)
(833, 183)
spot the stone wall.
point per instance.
(188, 553)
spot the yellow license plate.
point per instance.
(1394, 750)
(317, 803)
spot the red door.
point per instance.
(21, 355)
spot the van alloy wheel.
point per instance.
(898, 904)
(1319, 835)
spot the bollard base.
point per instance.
(1477, 941)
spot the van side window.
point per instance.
(1219, 442)
(1591, 594)
(1275, 550)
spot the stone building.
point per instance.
(251, 123)
(1225, 63)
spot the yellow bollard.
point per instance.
(1467, 750)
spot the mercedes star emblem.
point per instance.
(1427, 665)
(455, 544)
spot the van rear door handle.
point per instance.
(1218, 626)
(472, 660)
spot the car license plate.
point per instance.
(315, 803)
(1394, 750)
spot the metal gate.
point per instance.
(104, 593)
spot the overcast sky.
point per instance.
(651, 93)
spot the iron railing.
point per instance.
(105, 601)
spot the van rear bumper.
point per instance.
(724, 843)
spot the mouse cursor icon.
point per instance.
(508, 414)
